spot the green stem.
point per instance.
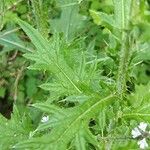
(2, 9)
(123, 64)
(124, 16)
(41, 16)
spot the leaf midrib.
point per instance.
(83, 114)
(37, 38)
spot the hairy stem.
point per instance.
(124, 19)
(1, 13)
(41, 16)
(123, 65)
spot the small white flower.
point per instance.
(44, 119)
(143, 126)
(135, 133)
(143, 144)
(139, 132)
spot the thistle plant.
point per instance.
(88, 104)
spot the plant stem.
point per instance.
(2, 4)
(41, 16)
(123, 64)
(124, 16)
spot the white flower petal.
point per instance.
(135, 133)
(143, 144)
(143, 126)
(45, 119)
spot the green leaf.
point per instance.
(40, 43)
(140, 108)
(56, 87)
(10, 40)
(45, 107)
(142, 53)
(80, 140)
(102, 120)
(15, 129)
(47, 54)
(70, 20)
(68, 124)
(76, 98)
(100, 18)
